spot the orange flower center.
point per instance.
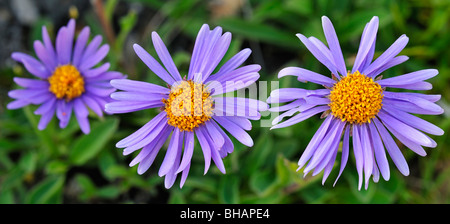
(66, 82)
(356, 98)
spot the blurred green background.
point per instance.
(65, 166)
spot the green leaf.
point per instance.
(88, 146)
(229, 189)
(46, 191)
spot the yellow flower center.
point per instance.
(188, 106)
(356, 98)
(66, 82)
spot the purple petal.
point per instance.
(306, 76)
(16, 104)
(409, 107)
(63, 112)
(49, 48)
(171, 153)
(318, 54)
(367, 42)
(240, 134)
(231, 64)
(153, 65)
(405, 130)
(345, 151)
(367, 154)
(31, 83)
(214, 134)
(329, 142)
(138, 135)
(119, 107)
(32, 65)
(165, 57)
(90, 49)
(392, 148)
(388, 55)
(409, 78)
(44, 56)
(414, 121)
(288, 106)
(138, 86)
(184, 175)
(395, 61)
(205, 52)
(316, 139)
(413, 86)
(135, 96)
(188, 151)
(359, 156)
(46, 107)
(94, 58)
(216, 56)
(46, 118)
(301, 117)
(161, 126)
(94, 105)
(419, 101)
(380, 154)
(81, 113)
(80, 44)
(64, 42)
(93, 72)
(200, 41)
(148, 154)
(202, 139)
(333, 43)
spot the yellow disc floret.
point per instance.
(66, 82)
(356, 98)
(188, 106)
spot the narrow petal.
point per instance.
(171, 153)
(394, 62)
(188, 151)
(333, 43)
(148, 154)
(153, 65)
(345, 151)
(138, 135)
(413, 121)
(138, 86)
(305, 75)
(367, 41)
(31, 83)
(301, 117)
(200, 41)
(318, 54)
(392, 148)
(358, 152)
(94, 58)
(215, 134)
(409, 78)
(380, 154)
(316, 139)
(231, 64)
(240, 134)
(199, 132)
(165, 57)
(32, 65)
(388, 55)
(80, 45)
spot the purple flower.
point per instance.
(357, 105)
(67, 79)
(191, 106)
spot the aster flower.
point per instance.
(193, 106)
(357, 104)
(66, 78)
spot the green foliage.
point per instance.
(66, 166)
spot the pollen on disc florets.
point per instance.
(356, 98)
(66, 82)
(189, 105)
